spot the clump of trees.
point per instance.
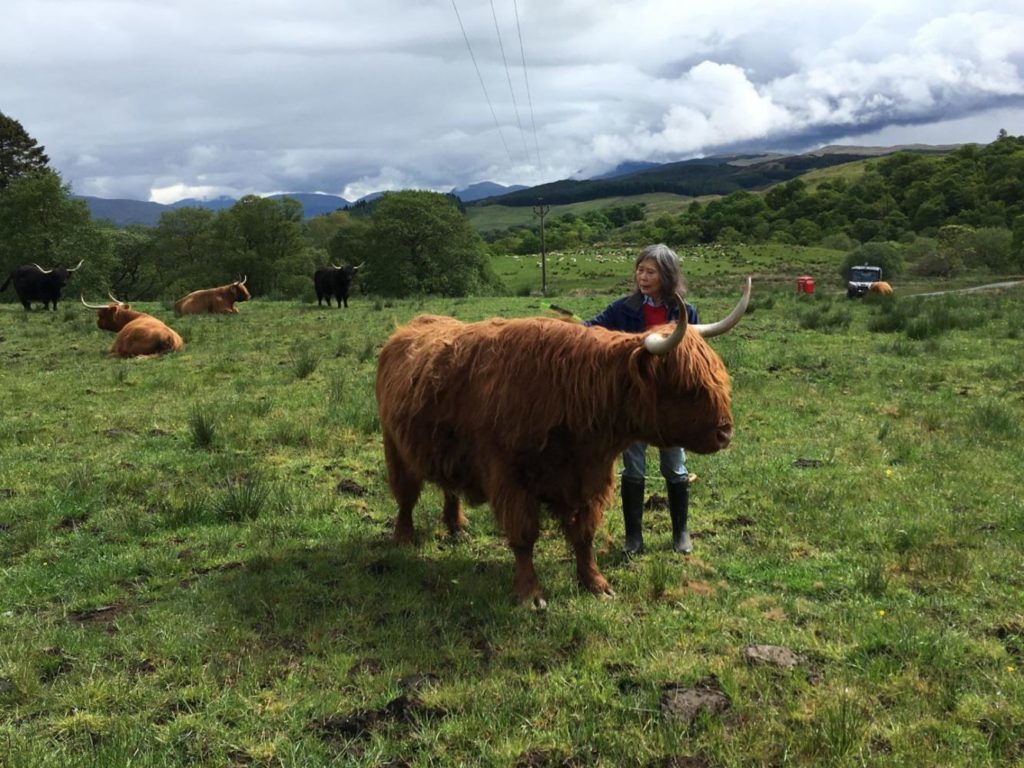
(411, 242)
(966, 205)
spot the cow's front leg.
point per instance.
(452, 514)
(579, 530)
(525, 582)
(519, 515)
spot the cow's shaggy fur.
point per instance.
(880, 288)
(533, 412)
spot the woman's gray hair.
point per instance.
(665, 259)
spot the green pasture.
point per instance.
(848, 171)
(195, 564)
(486, 218)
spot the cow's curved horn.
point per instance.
(44, 271)
(72, 269)
(657, 344)
(244, 278)
(92, 306)
(707, 330)
(335, 265)
(356, 269)
(113, 299)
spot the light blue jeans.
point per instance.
(673, 463)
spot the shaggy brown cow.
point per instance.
(219, 301)
(881, 288)
(138, 334)
(533, 412)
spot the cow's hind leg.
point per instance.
(405, 487)
(454, 520)
(579, 527)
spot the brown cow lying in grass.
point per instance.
(216, 301)
(881, 288)
(138, 334)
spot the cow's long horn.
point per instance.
(92, 306)
(115, 300)
(356, 269)
(335, 265)
(707, 330)
(72, 269)
(657, 344)
(244, 278)
(44, 271)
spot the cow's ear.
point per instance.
(642, 366)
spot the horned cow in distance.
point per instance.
(334, 282)
(33, 283)
(533, 412)
(138, 334)
(215, 301)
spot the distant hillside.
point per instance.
(717, 175)
(483, 190)
(123, 212)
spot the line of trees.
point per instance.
(410, 242)
(978, 191)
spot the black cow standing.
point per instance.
(333, 282)
(33, 283)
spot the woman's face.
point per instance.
(648, 279)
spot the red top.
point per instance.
(655, 315)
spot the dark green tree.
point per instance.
(40, 222)
(20, 154)
(419, 242)
(262, 238)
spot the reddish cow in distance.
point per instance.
(213, 301)
(533, 412)
(880, 288)
(138, 334)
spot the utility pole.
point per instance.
(542, 211)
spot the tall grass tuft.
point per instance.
(841, 727)
(203, 427)
(244, 499)
(824, 318)
(304, 362)
(994, 419)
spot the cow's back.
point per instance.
(146, 335)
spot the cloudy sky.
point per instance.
(165, 99)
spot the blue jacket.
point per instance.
(627, 314)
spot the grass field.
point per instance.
(486, 218)
(196, 565)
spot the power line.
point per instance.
(508, 76)
(529, 99)
(481, 77)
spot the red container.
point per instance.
(805, 284)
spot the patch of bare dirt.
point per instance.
(772, 656)
(361, 723)
(350, 488)
(104, 614)
(685, 705)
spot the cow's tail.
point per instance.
(7, 282)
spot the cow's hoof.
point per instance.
(606, 594)
(537, 603)
(404, 537)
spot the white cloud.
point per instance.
(130, 96)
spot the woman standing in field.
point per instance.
(658, 280)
